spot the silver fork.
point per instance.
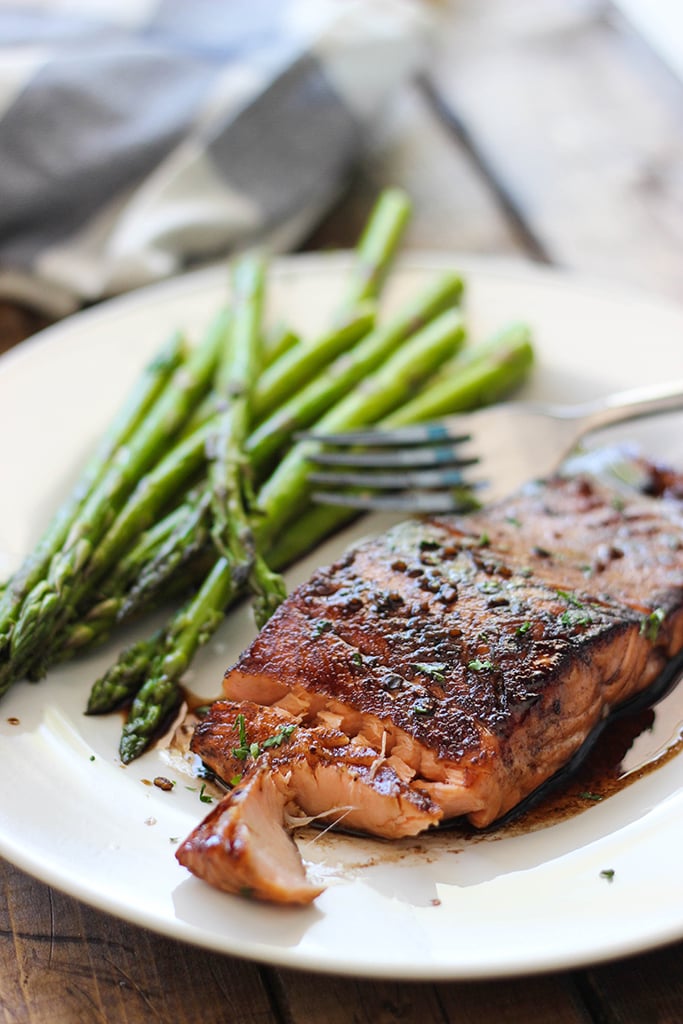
(441, 466)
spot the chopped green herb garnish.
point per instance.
(235, 780)
(247, 749)
(205, 797)
(357, 658)
(569, 598)
(477, 665)
(591, 796)
(242, 752)
(651, 624)
(435, 670)
(279, 737)
(321, 626)
(484, 540)
(607, 873)
(524, 628)
(575, 618)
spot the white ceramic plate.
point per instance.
(438, 908)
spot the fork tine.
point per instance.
(422, 433)
(396, 458)
(414, 502)
(424, 479)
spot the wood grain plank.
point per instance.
(62, 962)
(582, 125)
(640, 989)
(325, 1000)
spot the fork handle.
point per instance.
(629, 405)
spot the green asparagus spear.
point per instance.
(97, 620)
(168, 579)
(188, 540)
(234, 385)
(145, 392)
(279, 381)
(308, 404)
(285, 492)
(125, 677)
(484, 374)
(48, 604)
(152, 494)
(377, 247)
(191, 627)
(230, 483)
(276, 341)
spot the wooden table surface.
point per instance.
(545, 130)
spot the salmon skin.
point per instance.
(468, 659)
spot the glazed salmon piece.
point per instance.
(484, 662)
(447, 668)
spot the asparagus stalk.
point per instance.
(230, 485)
(168, 579)
(125, 677)
(97, 620)
(49, 604)
(377, 247)
(285, 492)
(145, 392)
(484, 374)
(187, 541)
(313, 525)
(160, 692)
(308, 404)
(283, 377)
(276, 341)
(234, 386)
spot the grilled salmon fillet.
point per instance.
(451, 666)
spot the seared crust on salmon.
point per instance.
(471, 657)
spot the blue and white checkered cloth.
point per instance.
(138, 137)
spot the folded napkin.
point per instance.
(139, 137)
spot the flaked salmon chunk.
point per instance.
(282, 771)
(468, 657)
